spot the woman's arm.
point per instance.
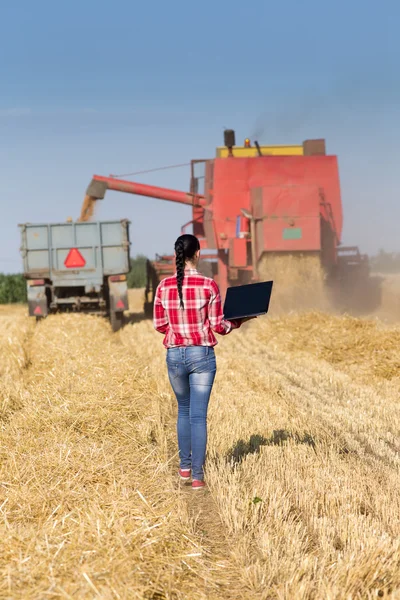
(215, 315)
(160, 320)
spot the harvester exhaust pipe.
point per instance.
(229, 140)
(257, 145)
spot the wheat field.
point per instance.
(303, 498)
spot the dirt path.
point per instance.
(221, 579)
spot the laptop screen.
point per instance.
(247, 300)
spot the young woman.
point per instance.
(187, 310)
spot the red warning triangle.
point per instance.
(120, 304)
(37, 311)
(74, 259)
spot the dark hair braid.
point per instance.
(186, 247)
(180, 268)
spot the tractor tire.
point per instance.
(116, 320)
(148, 310)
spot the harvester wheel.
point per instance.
(148, 310)
(116, 320)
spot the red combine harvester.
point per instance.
(252, 200)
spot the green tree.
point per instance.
(137, 275)
(12, 288)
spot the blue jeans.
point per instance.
(191, 371)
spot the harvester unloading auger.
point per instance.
(251, 203)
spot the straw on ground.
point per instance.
(303, 464)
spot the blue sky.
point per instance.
(115, 87)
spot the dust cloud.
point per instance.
(302, 284)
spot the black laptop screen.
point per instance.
(247, 300)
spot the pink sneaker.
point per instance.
(184, 474)
(198, 485)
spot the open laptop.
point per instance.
(249, 300)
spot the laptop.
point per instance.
(249, 300)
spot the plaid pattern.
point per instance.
(194, 325)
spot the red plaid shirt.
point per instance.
(194, 325)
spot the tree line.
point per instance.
(12, 288)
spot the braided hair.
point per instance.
(186, 247)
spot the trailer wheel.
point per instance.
(116, 320)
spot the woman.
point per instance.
(187, 310)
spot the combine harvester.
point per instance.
(251, 203)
